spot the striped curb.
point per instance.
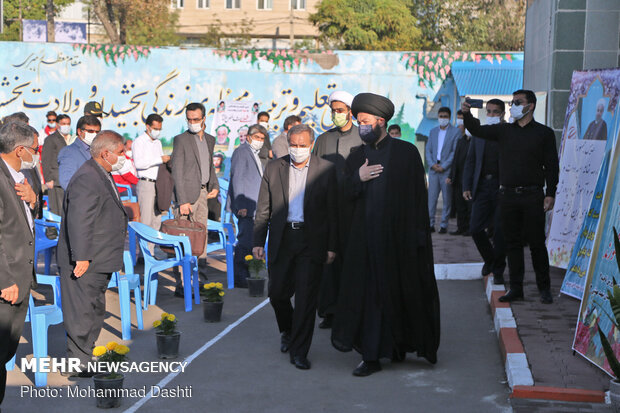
(466, 271)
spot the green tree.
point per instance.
(367, 25)
(30, 9)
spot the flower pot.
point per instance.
(111, 391)
(168, 345)
(212, 311)
(614, 395)
(256, 287)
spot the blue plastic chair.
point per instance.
(44, 244)
(226, 235)
(182, 257)
(128, 194)
(41, 317)
(125, 283)
(50, 216)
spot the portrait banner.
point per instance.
(595, 311)
(591, 110)
(231, 122)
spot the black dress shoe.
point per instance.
(285, 341)
(398, 356)
(301, 362)
(443, 230)
(327, 322)
(512, 295)
(545, 297)
(486, 270)
(366, 368)
(498, 279)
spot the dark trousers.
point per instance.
(523, 215)
(295, 272)
(56, 196)
(486, 212)
(83, 308)
(244, 247)
(462, 207)
(330, 285)
(12, 318)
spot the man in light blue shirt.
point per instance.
(71, 157)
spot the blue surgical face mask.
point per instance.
(368, 134)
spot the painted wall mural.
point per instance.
(133, 81)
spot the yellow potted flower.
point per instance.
(212, 301)
(167, 336)
(109, 358)
(256, 281)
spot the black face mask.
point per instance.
(369, 134)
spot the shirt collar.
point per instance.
(18, 177)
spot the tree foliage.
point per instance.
(31, 9)
(490, 25)
(143, 22)
(367, 25)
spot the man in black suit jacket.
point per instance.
(297, 204)
(17, 204)
(91, 243)
(481, 185)
(49, 161)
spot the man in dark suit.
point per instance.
(49, 160)
(461, 205)
(91, 243)
(71, 157)
(481, 185)
(17, 203)
(297, 203)
(246, 171)
(195, 180)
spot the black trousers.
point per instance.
(56, 196)
(295, 272)
(83, 308)
(243, 248)
(486, 212)
(12, 318)
(462, 207)
(523, 215)
(330, 285)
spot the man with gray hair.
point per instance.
(18, 202)
(246, 171)
(297, 205)
(91, 243)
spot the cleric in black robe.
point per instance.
(388, 303)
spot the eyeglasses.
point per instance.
(517, 103)
(36, 150)
(51, 119)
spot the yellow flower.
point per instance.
(249, 257)
(171, 317)
(121, 349)
(99, 351)
(164, 315)
(206, 287)
(219, 285)
(156, 323)
(222, 293)
(111, 345)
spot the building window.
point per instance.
(233, 4)
(298, 4)
(202, 4)
(177, 4)
(264, 4)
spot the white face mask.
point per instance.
(51, 125)
(459, 122)
(29, 164)
(493, 120)
(89, 138)
(194, 127)
(264, 125)
(65, 129)
(118, 165)
(256, 145)
(129, 153)
(299, 155)
(156, 133)
(443, 122)
(517, 112)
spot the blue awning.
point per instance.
(486, 78)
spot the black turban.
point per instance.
(374, 104)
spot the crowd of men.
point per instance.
(347, 217)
